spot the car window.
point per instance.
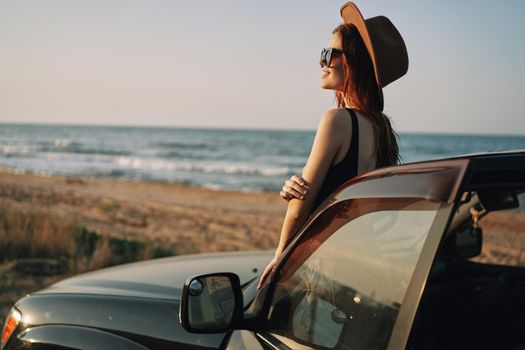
(504, 236)
(475, 295)
(344, 283)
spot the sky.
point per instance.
(252, 63)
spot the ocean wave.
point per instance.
(210, 168)
(246, 189)
(102, 152)
(62, 143)
(171, 154)
(249, 189)
(140, 163)
(17, 171)
(181, 145)
(68, 146)
(12, 150)
(276, 171)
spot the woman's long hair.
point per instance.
(362, 93)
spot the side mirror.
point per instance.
(469, 242)
(211, 303)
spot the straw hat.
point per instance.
(384, 44)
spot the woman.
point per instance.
(362, 57)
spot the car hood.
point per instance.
(161, 278)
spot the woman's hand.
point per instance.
(267, 271)
(295, 187)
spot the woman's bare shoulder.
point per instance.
(335, 117)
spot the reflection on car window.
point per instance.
(343, 286)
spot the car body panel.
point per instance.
(496, 171)
(151, 322)
(138, 301)
(161, 278)
(71, 337)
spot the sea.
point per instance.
(231, 159)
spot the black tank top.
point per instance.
(345, 169)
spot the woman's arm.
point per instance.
(327, 143)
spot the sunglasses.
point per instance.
(327, 54)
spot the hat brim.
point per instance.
(351, 15)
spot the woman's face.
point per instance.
(332, 77)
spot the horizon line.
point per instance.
(211, 127)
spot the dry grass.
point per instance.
(101, 256)
(35, 233)
(33, 236)
(42, 233)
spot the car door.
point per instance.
(353, 277)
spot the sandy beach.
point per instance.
(194, 219)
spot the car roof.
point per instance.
(519, 152)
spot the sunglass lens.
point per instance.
(326, 57)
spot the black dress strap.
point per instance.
(354, 143)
